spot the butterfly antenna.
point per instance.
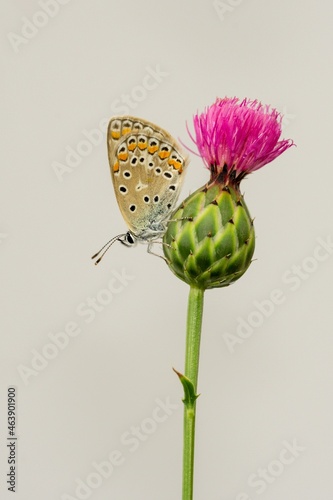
(100, 254)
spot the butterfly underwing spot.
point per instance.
(164, 151)
(149, 130)
(122, 153)
(132, 208)
(127, 127)
(134, 161)
(167, 175)
(150, 165)
(127, 174)
(146, 199)
(172, 187)
(142, 142)
(142, 159)
(176, 163)
(115, 128)
(137, 126)
(158, 171)
(153, 146)
(123, 189)
(131, 143)
(156, 198)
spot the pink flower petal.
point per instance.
(238, 137)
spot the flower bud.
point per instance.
(210, 238)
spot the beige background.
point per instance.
(273, 389)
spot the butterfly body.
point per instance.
(147, 170)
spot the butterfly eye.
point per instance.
(130, 239)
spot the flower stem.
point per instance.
(193, 334)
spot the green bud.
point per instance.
(209, 242)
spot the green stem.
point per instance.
(193, 334)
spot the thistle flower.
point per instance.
(210, 240)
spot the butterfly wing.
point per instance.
(147, 169)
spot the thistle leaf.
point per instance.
(189, 391)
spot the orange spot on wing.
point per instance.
(122, 156)
(152, 149)
(164, 154)
(116, 167)
(142, 145)
(176, 164)
(126, 130)
(131, 146)
(115, 134)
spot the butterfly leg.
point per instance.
(190, 219)
(166, 245)
(149, 250)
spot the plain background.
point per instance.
(275, 385)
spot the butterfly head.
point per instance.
(128, 239)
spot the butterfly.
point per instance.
(147, 169)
